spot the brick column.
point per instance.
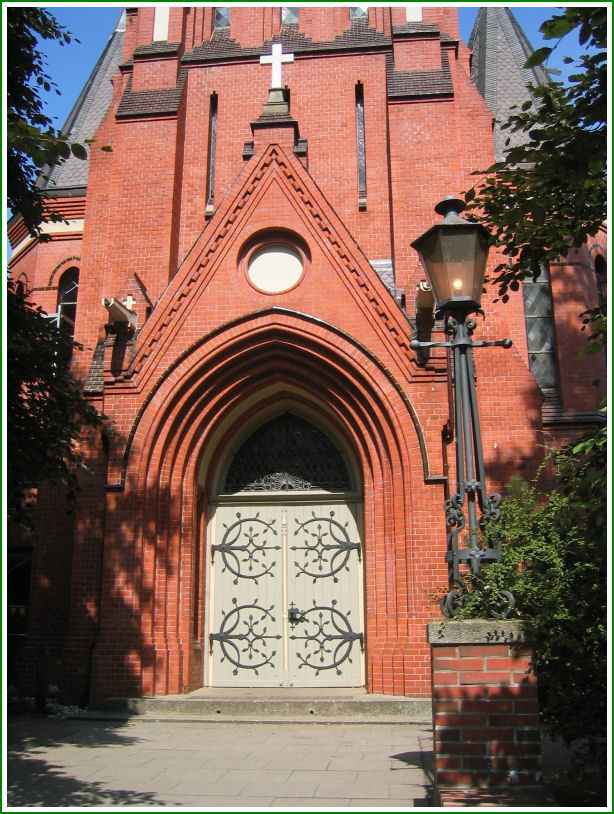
(486, 737)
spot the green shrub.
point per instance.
(554, 562)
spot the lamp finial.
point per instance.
(450, 206)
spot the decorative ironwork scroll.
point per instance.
(327, 547)
(244, 548)
(244, 639)
(285, 454)
(328, 638)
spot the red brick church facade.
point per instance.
(247, 293)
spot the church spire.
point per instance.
(500, 50)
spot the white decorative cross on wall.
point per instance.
(275, 60)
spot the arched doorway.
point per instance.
(286, 583)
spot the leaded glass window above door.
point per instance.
(287, 453)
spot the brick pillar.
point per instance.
(486, 737)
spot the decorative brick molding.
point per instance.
(486, 737)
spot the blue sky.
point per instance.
(93, 23)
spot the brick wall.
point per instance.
(485, 708)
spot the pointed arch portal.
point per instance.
(222, 400)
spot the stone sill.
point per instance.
(479, 631)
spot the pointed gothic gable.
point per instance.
(274, 193)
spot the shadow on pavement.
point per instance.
(422, 760)
(32, 781)
(25, 729)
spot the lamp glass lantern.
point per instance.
(454, 254)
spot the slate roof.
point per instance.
(88, 112)
(500, 49)
(419, 84)
(95, 377)
(162, 102)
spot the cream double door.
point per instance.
(286, 596)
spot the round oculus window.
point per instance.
(275, 268)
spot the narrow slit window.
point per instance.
(539, 321)
(360, 147)
(67, 306)
(67, 300)
(211, 153)
(601, 280)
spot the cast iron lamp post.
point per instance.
(454, 254)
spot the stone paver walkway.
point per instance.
(78, 763)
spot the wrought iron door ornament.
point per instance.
(329, 545)
(254, 533)
(243, 634)
(328, 638)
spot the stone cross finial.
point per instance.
(275, 60)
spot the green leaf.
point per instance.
(61, 148)
(79, 151)
(538, 57)
(556, 27)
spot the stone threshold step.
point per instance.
(364, 707)
(152, 717)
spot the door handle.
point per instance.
(295, 615)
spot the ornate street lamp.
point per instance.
(454, 254)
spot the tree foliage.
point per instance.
(32, 142)
(45, 406)
(555, 564)
(550, 192)
(548, 195)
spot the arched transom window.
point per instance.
(287, 453)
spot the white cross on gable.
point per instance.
(275, 60)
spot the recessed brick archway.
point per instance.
(251, 366)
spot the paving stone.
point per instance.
(311, 802)
(299, 762)
(146, 764)
(360, 763)
(194, 801)
(402, 803)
